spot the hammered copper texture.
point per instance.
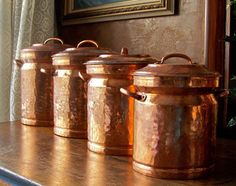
(110, 113)
(36, 95)
(70, 105)
(110, 117)
(174, 135)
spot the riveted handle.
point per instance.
(53, 39)
(83, 76)
(87, 41)
(18, 62)
(124, 51)
(221, 93)
(140, 97)
(47, 71)
(176, 55)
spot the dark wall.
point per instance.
(183, 32)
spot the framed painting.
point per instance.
(90, 11)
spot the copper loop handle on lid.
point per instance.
(53, 39)
(124, 51)
(176, 55)
(87, 41)
(158, 61)
(18, 62)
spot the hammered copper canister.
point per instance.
(70, 90)
(110, 114)
(36, 87)
(174, 119)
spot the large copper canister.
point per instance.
(110, 114)
(70, 89)
(174, 119)
(36, 87)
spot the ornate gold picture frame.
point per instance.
(90, 11)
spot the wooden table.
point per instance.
(43, 158)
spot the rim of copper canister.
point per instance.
(80, 54)
(124, 58)
(163, 74)
(176, 70)
(43, 51)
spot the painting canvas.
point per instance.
(78, 4)
(90, 11)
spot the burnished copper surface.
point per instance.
(70, 104)
(110, 114)
(174, 135)
(70, 89)
(169, 75)
(40, 156)
(36, 87)
(174, 120)
(36, 95)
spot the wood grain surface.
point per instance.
(38, 155)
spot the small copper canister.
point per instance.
(174, 119)
(70, 89)
(110, 114)
(36, 87)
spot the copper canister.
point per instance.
(36, 87)
(70, 88)
(174, 119)
(110, 114)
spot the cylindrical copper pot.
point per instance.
(36, 87)
(174, 119)
(110, 114)
(70, 90)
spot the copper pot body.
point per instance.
(175, 120)
(110, 114)
(175, 134)
(70, 103)
(70, 89)
(36, 86)
(36, 95)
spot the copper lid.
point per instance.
(121, 59)
(42, 52)
(177, 75)
(79, 55)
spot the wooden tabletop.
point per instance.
(41, 157)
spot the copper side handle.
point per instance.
(53, 39)
(87, 41)
(221, 93)
(18, 62)
(46, 71)
(140, 97)
(83, 76)
(176, 55)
